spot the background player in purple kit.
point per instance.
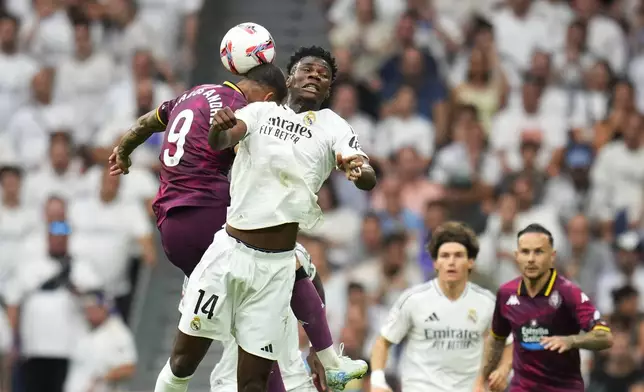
(546, 313)
(191, 203)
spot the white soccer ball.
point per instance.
(246, 46)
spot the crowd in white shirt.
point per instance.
(73, 77)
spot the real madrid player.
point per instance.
(294, 373)
(243, 282)
(444, 321)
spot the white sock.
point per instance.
(168, 382)
(329, 358)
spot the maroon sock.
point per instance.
(275, 383)
(309, 309)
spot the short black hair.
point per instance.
(9, 16)
(269, 75)
(454, 232)
(624, 292)
(10, 169)
(539, 229)
(313, 51)
(393, 238)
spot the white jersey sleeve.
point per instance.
(399, 321)
(251, 115)
(346, 142)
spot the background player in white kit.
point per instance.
(243, 284)
(444, 321)
(294, 373)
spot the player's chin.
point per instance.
(310, 95)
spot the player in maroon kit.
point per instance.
(545, 313)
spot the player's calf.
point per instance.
(187, 353)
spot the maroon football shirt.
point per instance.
(560, 309)
(192, 174)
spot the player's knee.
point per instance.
(182, 365)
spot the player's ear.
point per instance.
(269, 96)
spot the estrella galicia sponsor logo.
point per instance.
(285, 130)
(449, 339)
(531, 335)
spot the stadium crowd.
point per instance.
(498, 113)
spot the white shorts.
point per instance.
(239, 291)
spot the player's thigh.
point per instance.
(252, 370)
(208, 303)
(261, 320)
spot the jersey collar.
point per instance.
(547, 288)
(234, 87)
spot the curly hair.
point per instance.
(454, 232)
(313, 51)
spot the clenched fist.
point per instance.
(224, 119)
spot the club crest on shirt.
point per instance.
(472, 316)
(555, 299)
(195, 324)
(309, 118)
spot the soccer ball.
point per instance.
(246, 46)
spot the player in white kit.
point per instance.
(444, 321)
(294, 373)
(243, 283)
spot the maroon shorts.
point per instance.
(187, 232)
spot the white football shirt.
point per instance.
(282, 162)
(294, 372)
(444, 338)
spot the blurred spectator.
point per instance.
(366, 85)
(512, 127)
(370, 242)
(345, 10)
(5, 351)
(42, 306)
(590, 104)
(467, 170)
(485, 86)
(105, 356)
(620, 106)
(366, 36)
(82, 80)
(17, 69)
(436, 214)
(345, 103)
(586, 258)
(629, 271)
(394, 217)
(105, 228)
(618, 371)
(572, 60)
(47, 32)
(17, 222)
(617, 177)
(416, 190)
(569, 192)
(385, 280)
(404, 128)
(57, 176)
(30, 127)
(339, 242)
(496, 261)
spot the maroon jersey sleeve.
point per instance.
(164, 110)
(501, 327)
(586, 313)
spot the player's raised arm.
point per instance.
(226, 130)
(145, 126)
(353, 161)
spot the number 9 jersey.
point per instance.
(192, 174)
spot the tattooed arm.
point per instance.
(492, 354)
(595, 340)
(145, 126)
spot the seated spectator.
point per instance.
(394, 217)
(590, 104)
(619, 370)
(435, 214)
(339, 242)
(105, 356)
(344, 102)
(370, 243)
(621, 106)
(6, 349)
(572, 60)
(59, 175)
(628, 270)
(404, 128)
(47, 33)
(485, 86)
(416, 190)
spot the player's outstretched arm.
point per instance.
(225, 131)
(379, 355)
(597, 339)
(145, 126)
(492, 354)
(357, 170)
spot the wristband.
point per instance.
(378, 379)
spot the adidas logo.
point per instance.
(432, 317)
(268, 349)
